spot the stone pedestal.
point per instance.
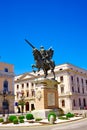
(46, 96)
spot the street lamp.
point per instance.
(5, 103)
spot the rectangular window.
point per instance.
(17, 86)
(62, 89)
(77, 80)
(32, 92)
(72, 89)
(27, 85)
(78, 90)
(63, 103)
(83, 90)
(72, 79)
(82, 81)
(74, 103)
(61, 79)
(79, 102)
(27, 93)
(86, 84)
(32, 84)
(22, 86)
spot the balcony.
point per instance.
(8, 74)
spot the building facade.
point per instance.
(72, 90)
(6, 88)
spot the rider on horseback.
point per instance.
(43, 59)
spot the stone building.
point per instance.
(6, 88)
(72, 90)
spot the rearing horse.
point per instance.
(42, 64)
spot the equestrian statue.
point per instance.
(43, 59)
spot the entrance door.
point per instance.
(84, 102)
(32, 107)
(27, 106)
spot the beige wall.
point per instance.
(9, 77)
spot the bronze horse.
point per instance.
(42, 64)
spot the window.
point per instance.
(79, 102)
(5, 86)
(84, 102)
(60, 69)
(61, 79)
(78, 90)
(32, 92)
(63, 103)
(32, 107)
(27, 85)
(62, 89)
(83, 90)
(72, 79)
(17, 86)
(74, 103)
(22, 86)
(82, 81)
(32, 84)
(27, 94)
(77, 80)
(86, 82)
(6, 69)
(72, 89)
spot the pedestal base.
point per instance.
(43, 113)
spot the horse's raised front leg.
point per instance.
(53, 73)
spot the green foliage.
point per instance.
(38, 119)
(21, 102)
(29, 116)
(12, 117)
(69, 115)
(51, 113)
(1, 120)
(21, 121)
(15, 121)
(21, 117)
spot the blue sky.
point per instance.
(60, 24)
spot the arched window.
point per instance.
(6, 69)
(5, 86)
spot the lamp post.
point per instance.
(5, 103)
(22, 102)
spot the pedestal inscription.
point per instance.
(51, 99)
